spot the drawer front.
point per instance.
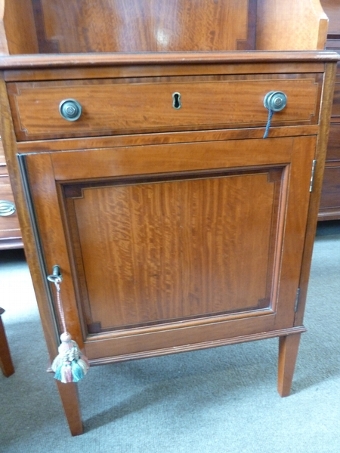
(9, 224)
(336, 98)
(330, 195)
(333, 148)
(3, 168)
(113, 107)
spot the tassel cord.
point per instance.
(60, 306)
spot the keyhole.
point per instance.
(176, 100)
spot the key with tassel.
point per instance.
(70, 365)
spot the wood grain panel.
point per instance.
(330, 196)
(17, 29)
(171, 249)
(205, 104)
(333, 149)
(331, 8)
(146, 160)
(277, 30)
(50, 229)
(144, 25)
(336, 100)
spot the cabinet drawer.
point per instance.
(333, 148)
(336, 99)
(330, 196)
(3, 168)
(9, 224)
(116, 107)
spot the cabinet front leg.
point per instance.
(6, 363)
(70, 400)
(288, 350)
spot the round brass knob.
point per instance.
(275, 101)
(70, 109)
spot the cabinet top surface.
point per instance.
(159, 58)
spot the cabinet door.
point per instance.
(172, 247)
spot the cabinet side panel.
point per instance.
(293, 25)
(331, 8)
(18, 35)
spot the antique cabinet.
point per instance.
(330, 195)
(171, 167)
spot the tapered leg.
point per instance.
(6, 363)
(70, 400)
(288, 350)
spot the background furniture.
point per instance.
(330, 196)
(10, 235)
(144, 174)
(6, 363)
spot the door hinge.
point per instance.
(312, 176)
(297, 300)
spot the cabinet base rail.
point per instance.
(199, 346)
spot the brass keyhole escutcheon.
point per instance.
(176, 100)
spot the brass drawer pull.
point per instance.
(70, 109)
(274, 101)
(7, 208)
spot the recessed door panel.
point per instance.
(174, 249)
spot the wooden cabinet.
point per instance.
(10, 235)
(330, 196)
(147, 179)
